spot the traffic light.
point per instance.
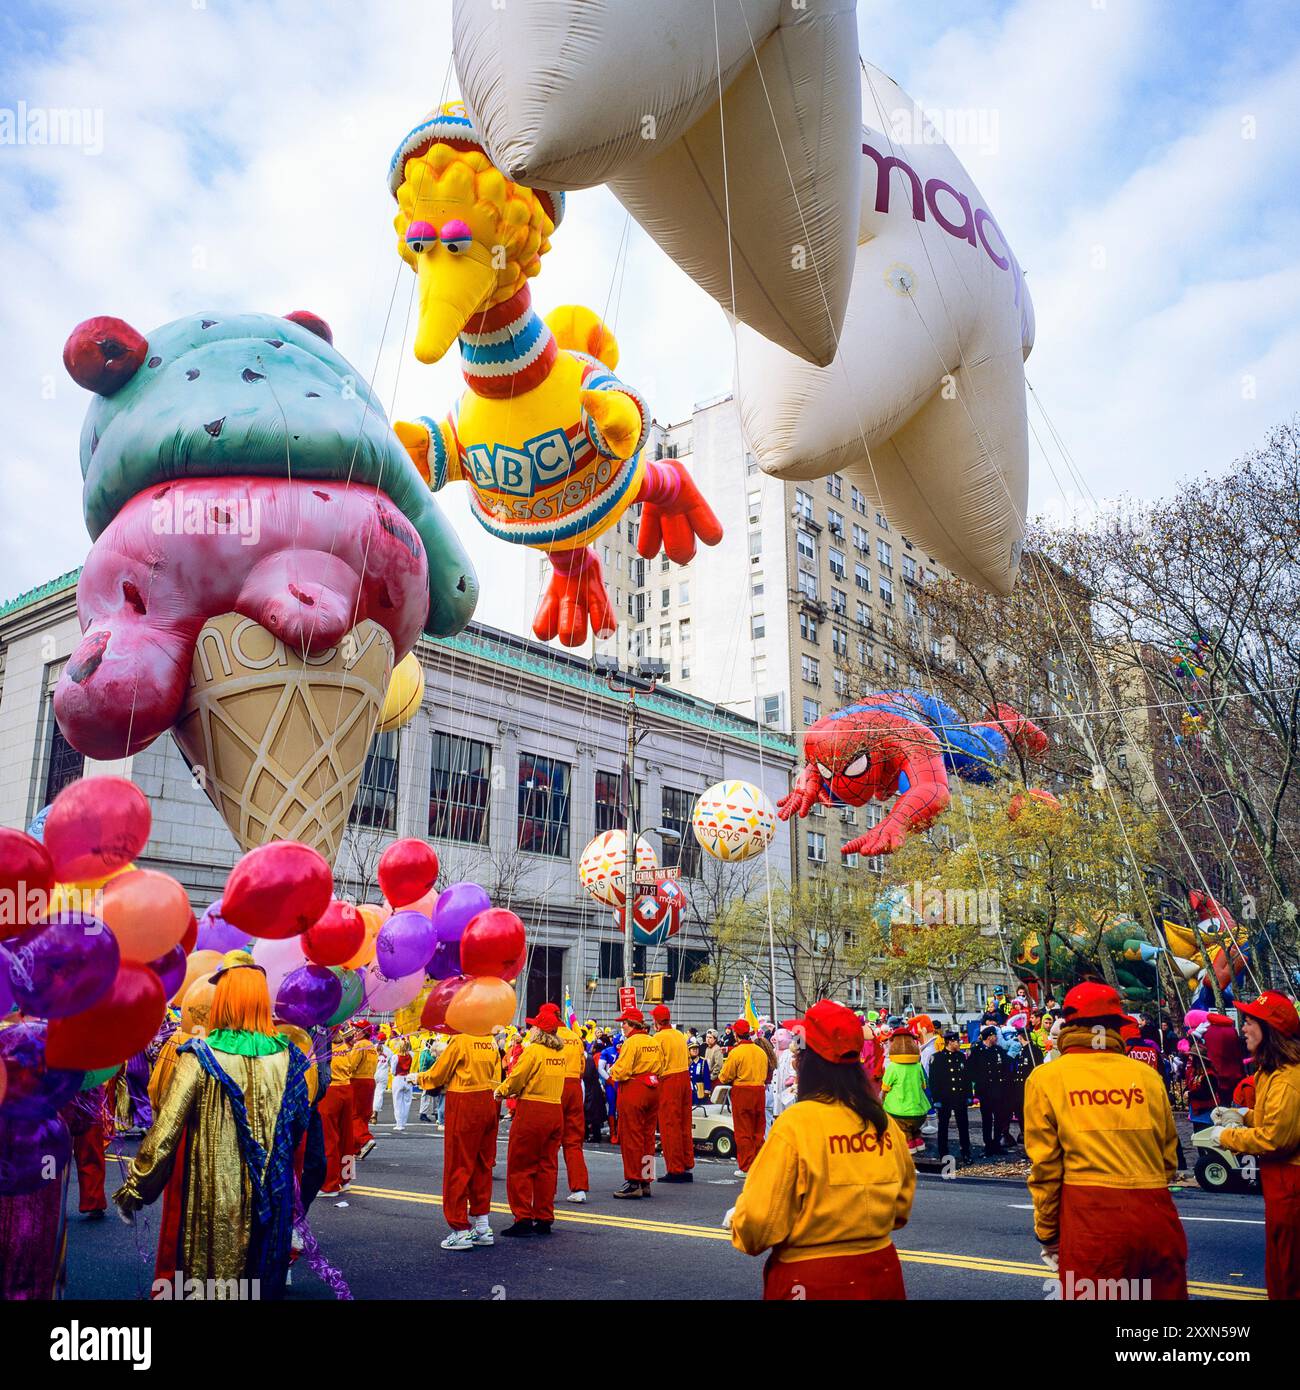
(654, 989)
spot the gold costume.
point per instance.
(219, 1203)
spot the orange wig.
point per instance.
(242, 1002)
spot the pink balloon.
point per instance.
(1193, 1018)
(278, 957)
(386, 996)
(95, 826)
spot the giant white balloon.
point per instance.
(626, 92)
(924, 405)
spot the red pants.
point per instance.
(638, 1103)
(336, 1122)
(1281, 1184)
(363, 1104)
(675, 1122)
(575, 1126)
(533, 1159)
(88, 1148)
(749, 1118)
(469, 1150)
(850, 1278)
(1110, 1234)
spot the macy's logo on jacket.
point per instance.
(1133, 1096)
(864, 1143)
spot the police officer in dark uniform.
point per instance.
(950, 1089)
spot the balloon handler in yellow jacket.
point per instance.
(548, 439)
(636, 1073)
(834, 1180)
(1271, 1132)
(1100, 1137)
(470, 1069)
(533, 1155)
(747, 1071)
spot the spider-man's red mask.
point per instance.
(851, 763)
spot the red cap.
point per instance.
(1274, 1009)
(740, 1028)
(1129, 1030)
(661, 1013)
(831, 1030)
(547, 1019)
(631, 1016)
(1092, 999)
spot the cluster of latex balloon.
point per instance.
(326, 960)
(90, 949)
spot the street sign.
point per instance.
(653, 876)
(626, 998)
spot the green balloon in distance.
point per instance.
(354, 990)
(97, 1078)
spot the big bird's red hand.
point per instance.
(674, 514)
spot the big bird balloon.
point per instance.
(548, 439)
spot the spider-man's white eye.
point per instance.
(857, 767)
(825, 771)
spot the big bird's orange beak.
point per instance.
(452, 288)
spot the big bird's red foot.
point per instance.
(674, 513)
(575, 596)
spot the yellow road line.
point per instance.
(980, 1264)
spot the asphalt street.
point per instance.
(969, 1238)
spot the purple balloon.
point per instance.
(456, 907)
(27, 1144)
(63, 966)
(6, 994)
(308, 996)
(33, 1088)
(216, 934)
(405, 942)
(446, 960)
(170, 969)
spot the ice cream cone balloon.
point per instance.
(277, 740)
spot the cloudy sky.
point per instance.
(1143, 157)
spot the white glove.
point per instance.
(1228, 1116)
(726, 1220)
(1050, 1254)
(1201, 1029)
(1215, 1133)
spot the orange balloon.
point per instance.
(147, 911)
(196, 1006)
(482, 1005)
(198, 967)
(374, 916)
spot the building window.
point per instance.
(881, 994)
(807, 627)
(811, 669)
(885, 554)
(841, 682)
(543, 806)
(611, 960)
(755, 545)
(803, 504)
(881, 522)
(812, 711)
(771, 709)
(840, 602)
(806, 548)
(859, 501)
(839, 641)
(890, 664)
(834, 522)
(458, 790)
(861, 541)
(808, 585)
(862, 577)
(909, 569)
(835, 485)
(676, 815)
(684, 593)
(63, 764)
(816, 845)
(376, 803)
(758, 625)
(836, 558)
(886, 591)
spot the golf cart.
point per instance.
(711, 1126)
(1221, 1170)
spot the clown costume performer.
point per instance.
(229, 1121)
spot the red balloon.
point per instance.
(96, 826)
(434, 1013)
(277, 891)
(191, 937)
(26, 877)
(121, 1024)
(337, 937)
(408, 869)
(493, 944)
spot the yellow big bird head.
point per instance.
(471, 235)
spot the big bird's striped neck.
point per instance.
(507, 349)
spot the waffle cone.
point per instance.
(278, 741)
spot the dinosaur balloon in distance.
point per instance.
(547, 438)
(901, 743)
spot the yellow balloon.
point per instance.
(374, 915)
(405, 691)
(482, 1005)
